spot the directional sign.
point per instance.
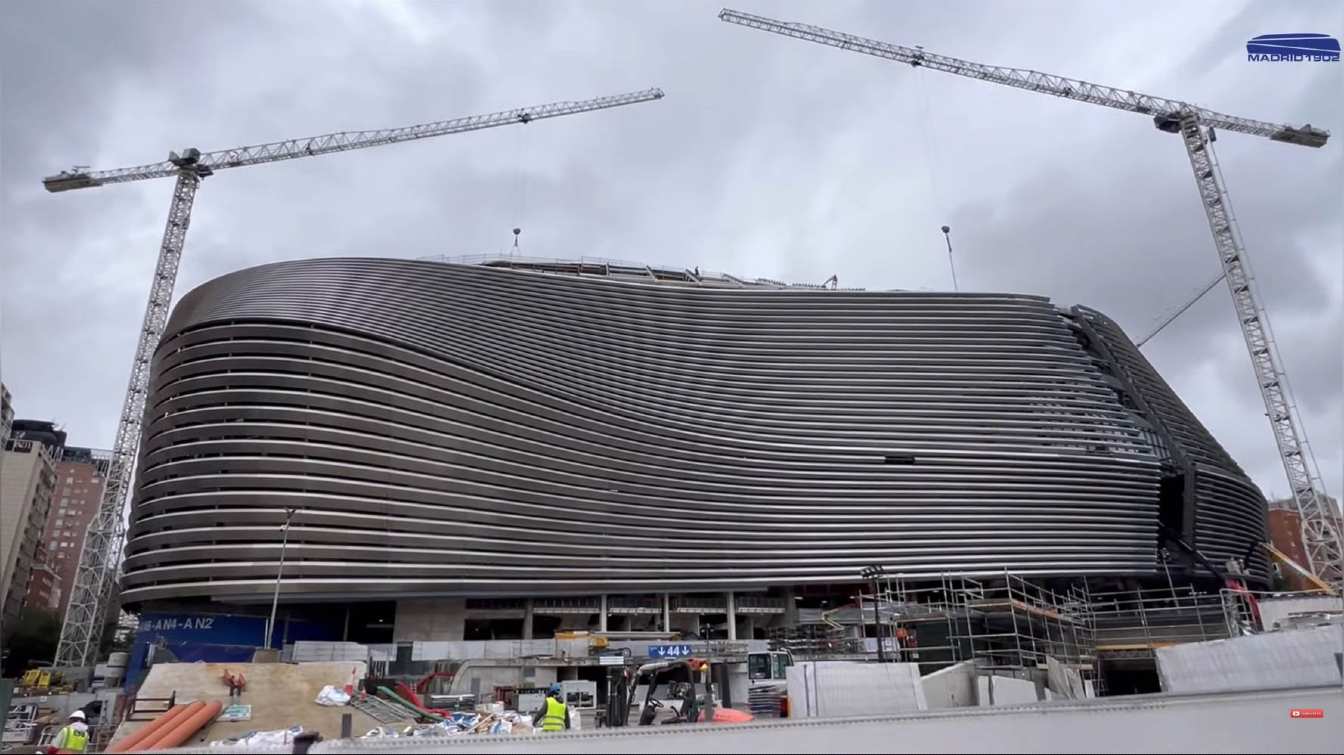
(669, 651)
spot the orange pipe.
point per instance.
(149, 741)
(186, 729)
(144, 731)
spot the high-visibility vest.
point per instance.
(554, 719)
(70, 739)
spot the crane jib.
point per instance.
(1198, 128)
(203, 163)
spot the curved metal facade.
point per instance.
(1226, 514)
(455, 430)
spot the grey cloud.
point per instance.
(768, 157)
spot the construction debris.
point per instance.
(254, 740)
(458, 724)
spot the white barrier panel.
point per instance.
(829, 689)
(1276, 660)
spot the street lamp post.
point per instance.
(872, 573)
(279, 572)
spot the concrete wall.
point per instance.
(434, 619)
(480, 678)
(1275, 660)
(1275, 610)
(1005, 691)
(686, 623)
(952, 687)
(1245, 723)
(827, 689)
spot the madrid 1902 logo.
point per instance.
(1293, 48)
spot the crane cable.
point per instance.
(1172, 317)
(520, 185)
(930, 158)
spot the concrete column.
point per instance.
(667, 613)
(527, 620)
(732, 616)
(431, 619)
(790, 608)
(602, 615)
(688, 624)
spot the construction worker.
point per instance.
(553, 715)
(73, 737)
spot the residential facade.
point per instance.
(26, 487)
(1285, 532)
(81, 475)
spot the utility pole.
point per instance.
(946, 231)
(279, 572)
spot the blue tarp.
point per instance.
(212, 637)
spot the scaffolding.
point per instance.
(1134, 623)
(1003, 625)
(1013, 625)
(1006, 625)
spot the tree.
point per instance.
(33, 641)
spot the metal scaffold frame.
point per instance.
(1002, 625)
(1013, 625)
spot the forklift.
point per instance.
(690, 695)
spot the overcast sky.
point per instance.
(768, 157)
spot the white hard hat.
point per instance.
(79, 714)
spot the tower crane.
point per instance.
(100, 557)
(1198, 128)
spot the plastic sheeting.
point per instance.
(1275, 660)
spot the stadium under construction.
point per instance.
(509, 447)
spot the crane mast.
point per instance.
(1197, 127)
(96, 577)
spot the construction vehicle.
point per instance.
(1197, 127)
(689, 696)
(768, 683)
(100, 556)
